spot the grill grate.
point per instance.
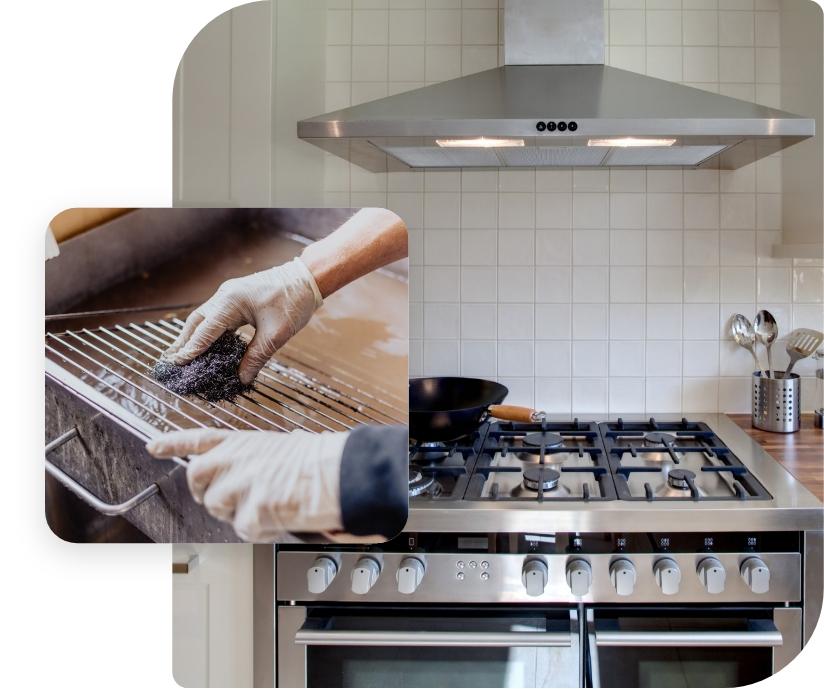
(302, 389)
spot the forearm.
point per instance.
(370, 239)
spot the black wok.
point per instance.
(448, 408)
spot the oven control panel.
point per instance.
(667, 577)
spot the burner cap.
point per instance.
(418, 483)
(539, 476)
(544, 438)
(658, 438)
(677, 478)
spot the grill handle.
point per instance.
(107, 508)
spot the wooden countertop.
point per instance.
(801, 453)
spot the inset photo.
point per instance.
(226, 374)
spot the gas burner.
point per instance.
(680, 478)
(418, 483)
(545, 438)
(431, 452)
(537, 477)
(677, 485)
(658, 438)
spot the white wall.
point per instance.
(584, 291)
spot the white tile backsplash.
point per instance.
(590, 321)
(626, 396)
(590, 284)
(627, 321)
(664, 357)
(516, 358)
(553, 358)
(585, 291)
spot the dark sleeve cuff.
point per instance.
(374, 481)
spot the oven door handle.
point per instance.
(350, 637)
(767, 635)
(107, 508)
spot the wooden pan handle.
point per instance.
(511, 412)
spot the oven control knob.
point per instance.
(365, 575)
(535, 575)
(622, 575)
(579, 577)
(667, 575)
(756, 574)
(320, 574)
(712, 574)
(409, 575)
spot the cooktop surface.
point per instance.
(583, 461)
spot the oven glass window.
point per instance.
(461, 665)
(683, 667)
(439, 667)
(679, 666)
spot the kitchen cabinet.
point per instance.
(212, 621)
(802, 91)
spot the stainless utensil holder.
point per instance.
(775, 403)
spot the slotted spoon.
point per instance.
(801, 343)
(744, 335)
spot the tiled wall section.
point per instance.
(584, 291)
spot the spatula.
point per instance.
(801, 343)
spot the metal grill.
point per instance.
(298, 389)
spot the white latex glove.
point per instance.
(278, 302)
(262, 482)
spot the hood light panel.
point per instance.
(630, 142)
(479, 142)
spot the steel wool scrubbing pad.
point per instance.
(213, 374)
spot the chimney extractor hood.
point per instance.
(548, 115)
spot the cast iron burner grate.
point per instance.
(576, 445)
(304, 390)
(670, 452)
(444, 467)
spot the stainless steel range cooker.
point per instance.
(622, 553)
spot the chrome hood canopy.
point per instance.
(555, 103)
(555, 115)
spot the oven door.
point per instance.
(688, 647)
(431, 647)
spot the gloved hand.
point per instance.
(263, 482)
(278, 302)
